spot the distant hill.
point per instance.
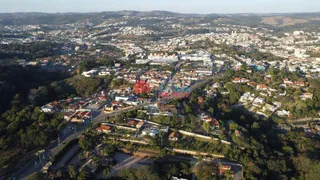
(275, 20)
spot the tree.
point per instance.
(187, 108)
(211, 110)
(255, 126)
(38, 96)
(206, 173)
(206, 126)
(119, 119)
(233, 126)
(82, 176)
(139, 173)
(185, 169)
(288, 150)
(86, 66)
(107, 151)
(85, 143)
(106, 170)
(301, 163)
(72, 172)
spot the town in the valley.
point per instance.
(160, 95)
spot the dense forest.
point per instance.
(23, 127)
(18, 81)
(31, 51)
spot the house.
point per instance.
(287, 82)
(168, 108)
(223, 169)
(108, 108)
(200, 100)
(176, 178)
(269, 107)
(105, 128)
(132, 122)
(262, 87)
(47, 109)
(236, 80)
(263, 94)
(174, 136)
(244, 80)
(121, 98)
(207, 118)
(152, 131)
(77, 118)
(140, 124)
(299, 83)
(67, 116)
(216, 85)
(214, 124)
(141, 87)
(252, 84)
(258, 101)
(247, 96)
(277, 104)
(237, 133)
(283, 113)
(306, 95)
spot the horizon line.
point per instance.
(181, 13)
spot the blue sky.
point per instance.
(183, 6)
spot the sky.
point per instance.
(182, 6)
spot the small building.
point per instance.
(224, 168)
(140, 124)
(262, 87)
(174, 136)
(237, 133)
(141, 86)
(299, 83)
(105, 128)
(152, 131)
(252, 84)
(47, 109)
(306, 95)
(132, 122)
(214, 124)
(236, 80)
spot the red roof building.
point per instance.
(141, 87)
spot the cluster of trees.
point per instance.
(167, 169)
(85, 86)
(141, 173)
(18, 81)
(270, 154)
(267, 153)
(252, 54)
(117, 83)
(86, 66)
(30, 51)
(23, 129)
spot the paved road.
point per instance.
(302, 120)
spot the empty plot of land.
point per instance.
(282, 21)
